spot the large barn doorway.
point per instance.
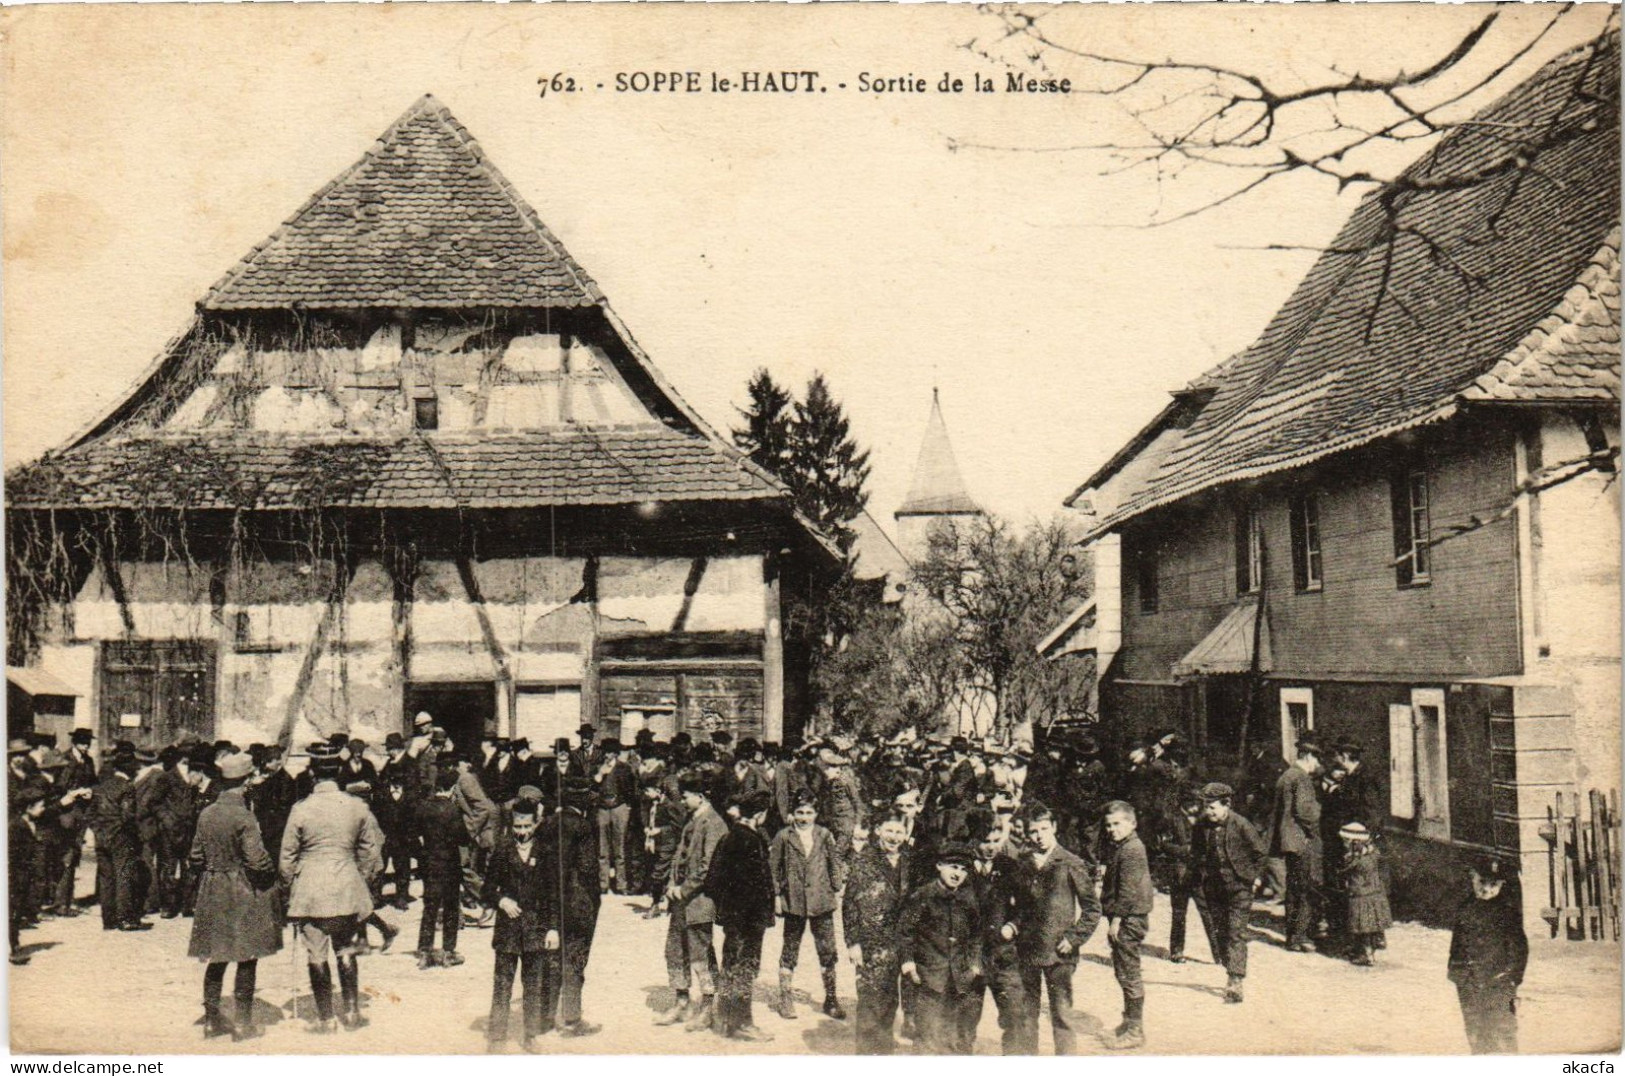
(154, 693)
(466, 710)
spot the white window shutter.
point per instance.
(1401, 762)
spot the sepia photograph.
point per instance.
(786, 529)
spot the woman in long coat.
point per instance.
(237, 919)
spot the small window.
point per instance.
(1249, 550)
(1145, 581)
(1306, 560)
(240, 629)
(426, 413)
(1413, 560)
(1297, 718)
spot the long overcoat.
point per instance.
(331, 847)
(237, 916)
(806, 882)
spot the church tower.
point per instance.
(938, 494)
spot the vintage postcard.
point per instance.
(766, 529)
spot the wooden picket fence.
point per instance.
(1582, 855)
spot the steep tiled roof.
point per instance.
(422, 219)
(418, 471)
(1433, 281)
(1573, 354)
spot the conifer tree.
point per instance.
(827, 470)
(765, 437)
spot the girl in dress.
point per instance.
(1368, 913)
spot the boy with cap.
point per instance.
(1488, 955)
(440, 824)
(740, 884)
(1295, 837)
(1125, 902)
(1227, 854)
(939, 942)
(690, 958)
(27, 807)
(994, 877)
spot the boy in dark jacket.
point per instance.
(1125, 902)
(939, 940)
(516, 886)
(994, 877)
(869, 915)
(1227, 854)
(740, 883)
(440, 823)
(27, 807)
(1488, 954)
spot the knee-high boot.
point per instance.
(321, 985)
(350, 989)
(832, 1005)
(243, 991)
(215, 1023)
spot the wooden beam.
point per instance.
(772, 653)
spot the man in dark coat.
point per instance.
(439, 822)
(79, 775)
(1227, 854)
(570, 868)
(617, 791)
(516, 885)
(1356, 798)
(740, 884)
(1126, 894)
(939, 943)
(869, 917)
(1056, 914)
(1488, 955)
(239, 911)
(394, 813)
(995, 877)
(174, 820)
(274, 796)
(1295, 837)
(118, 846)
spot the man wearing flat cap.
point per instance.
(1295, 837)
(1227, 854)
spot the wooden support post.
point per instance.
(772, 652)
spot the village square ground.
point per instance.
(148, 997)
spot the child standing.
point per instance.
(440, 823)
(1488, 954)
(1125, 900)
(940, 945)
(1368, 913)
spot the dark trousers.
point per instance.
(1302, 897)
(171, 880)
(529, 967)
(1180, 897)
(440, 903)
(741, 961)
(1492, 1024)
(68, 859)
(690, 957)
(823, 932)
(1224, 912)
(1057, 979)
(397, 866)
(943, 1017)
(1131, 930)
(563, 976)
(117, 869)
(877, 1002)
(1003, 981)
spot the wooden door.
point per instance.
(155, 693)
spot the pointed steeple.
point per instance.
(938, 489)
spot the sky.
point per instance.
(869, 236)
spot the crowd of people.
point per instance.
(957, 871)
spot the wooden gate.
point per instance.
(1582, 855)
(154, 693)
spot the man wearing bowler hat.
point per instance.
(1295, 837)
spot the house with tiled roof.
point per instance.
(405, 457)
(1394, 518)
